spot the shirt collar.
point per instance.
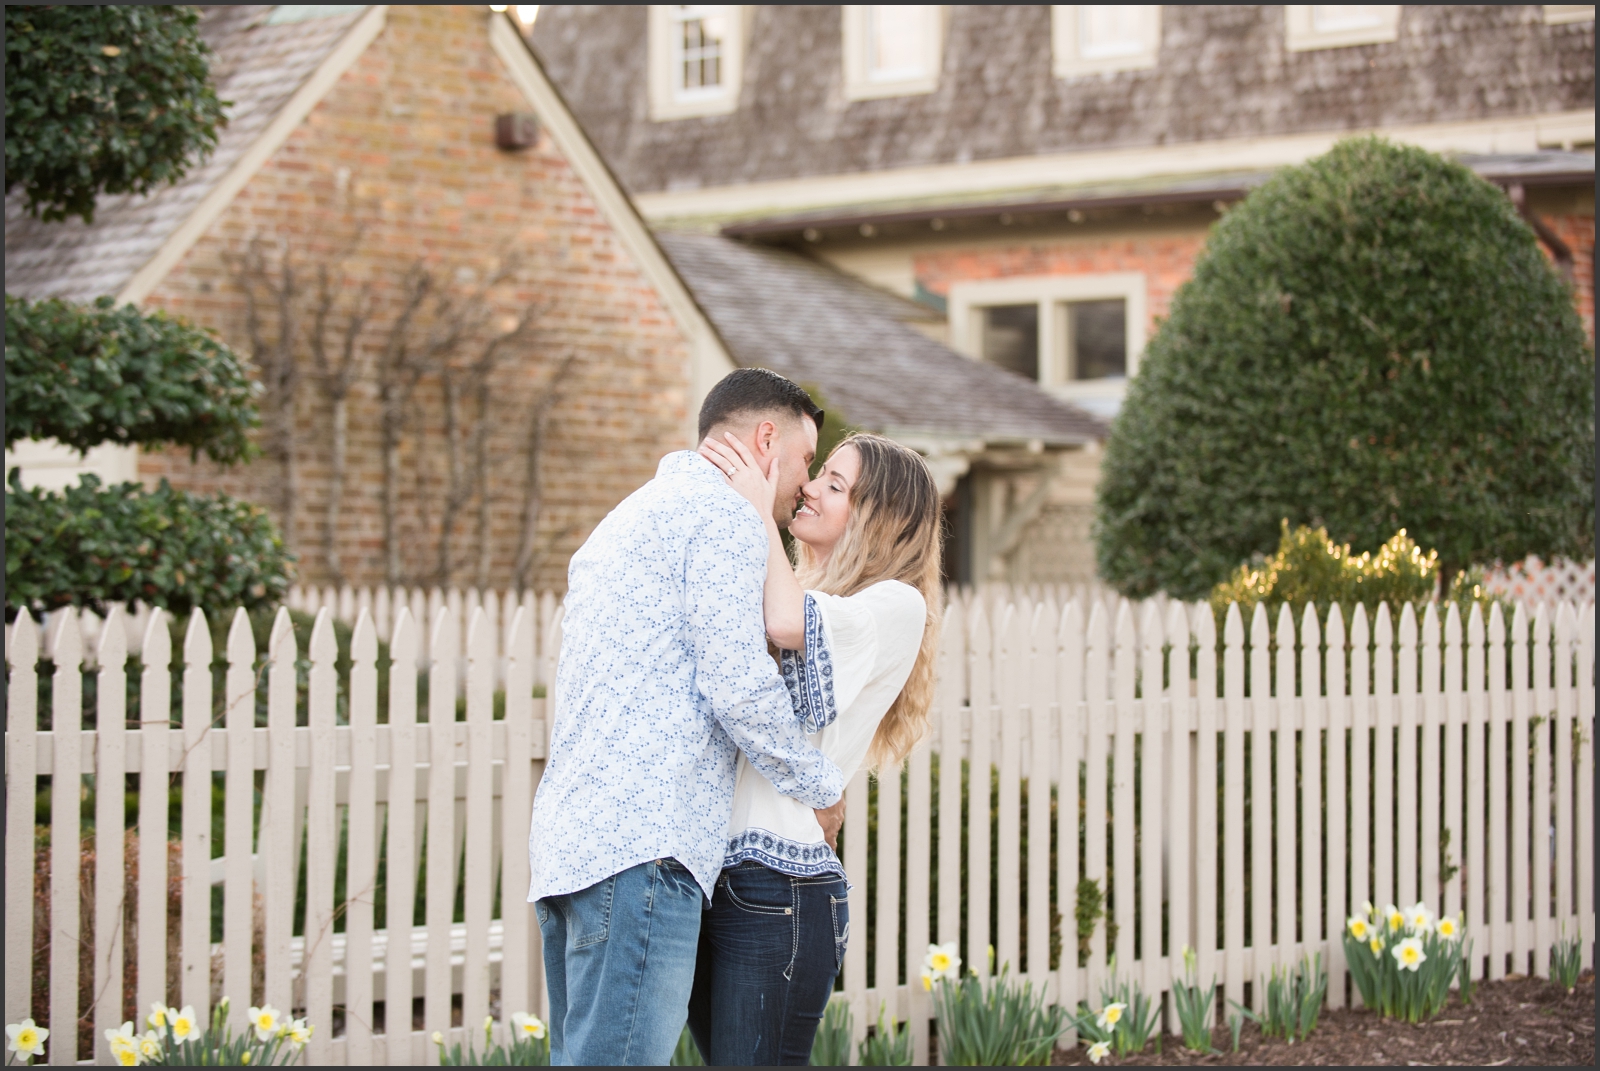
(690, 463)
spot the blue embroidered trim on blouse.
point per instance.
(781, 854)
(809, 677)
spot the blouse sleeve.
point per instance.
(844, 639)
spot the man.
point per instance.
(664, 677)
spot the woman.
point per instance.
(856, 627)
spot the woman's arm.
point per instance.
(783, 601)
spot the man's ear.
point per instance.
(766, 439)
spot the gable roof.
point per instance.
(273, 64)
(1223, 73)
(780, 310)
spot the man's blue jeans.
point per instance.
(619, 961)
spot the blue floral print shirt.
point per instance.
(664, 679)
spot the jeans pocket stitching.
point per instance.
(604, 932)
(755, 908)
(841, 939)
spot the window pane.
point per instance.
(1099, 339)
(896, 40)
(699, 42)
(1330, 17)
(1108, 30)
(1011, 338)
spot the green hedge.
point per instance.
(92, 374)
(1371, 341)
(93, 545)
(104, 98)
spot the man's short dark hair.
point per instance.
(752, 391)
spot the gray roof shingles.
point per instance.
(1223, 72)
(257, 65)
(777, 309)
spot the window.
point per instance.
(1094, 38)
(1078, 336)
(892, 50)
(1313, 26)
(696, 56)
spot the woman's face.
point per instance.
(820, 520)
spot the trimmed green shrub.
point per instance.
(104, 99)
(1370, 341)
(92, 546)
(91, 374)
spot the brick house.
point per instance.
(1042, 178)
(363, 140)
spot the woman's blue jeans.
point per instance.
(770, 947)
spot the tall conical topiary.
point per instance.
(1371, 341)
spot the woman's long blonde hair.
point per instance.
(893, 533)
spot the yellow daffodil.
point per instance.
(183, 1023)
(1408, 954)
(524, 1025)
(1376, 944)
(1396, 917)
(1099, 1051)
(927, 982)
(121, 1038)
(265, 1020)
(26, 1038)
(126, 1057)
(1110, 1016)
(159, 1014)
(1448, 927)
(1358, 927)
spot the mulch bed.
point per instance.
(1515, 1021)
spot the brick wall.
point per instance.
(398, 163)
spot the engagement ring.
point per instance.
(730, 471)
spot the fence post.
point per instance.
(277, 813)
(195, 954)
(1233, 884)
(519, 961)
(1261, 725)
(238, 893)
(1586, 773)
(155, 720)
(1499, 921)
(1041, 698)
(361, 869)
(1013, 654)
(400, 847)
(445, 648)
(981, 673)
(22, 764)
(1153, 776)
(1454, 725)
(110, 782)
(1312, 804)
(1339, 797)
(1070, 719)
(478, 875)
(1430, 790)
(1383, 775)
(1543, 713)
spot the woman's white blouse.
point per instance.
(859, 651)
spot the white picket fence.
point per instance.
(1482, 729)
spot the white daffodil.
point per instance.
(159, 1015)
(1396, 918)
(183, 1022)
(524, 1025)
(927, 982)
(122, 1037)
(438, 1038)
(1099, 1051)
(150, 1046)
(1358, 926)
(265, 1020)
(1448, 927)
(1408, 954)
(1376, 944)
(943, 962)
(1367, 909)
(1420, 917)
(300, 1034)
(26, 1038)
(1110, 1016)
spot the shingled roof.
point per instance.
(1224, 72)
(263, 54)
(777, 309)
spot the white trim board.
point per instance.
(220, 196)
(1516, 134)
(709, 360)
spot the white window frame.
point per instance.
(1068, 60)
(48, 464)
(1559, 14)
(667, 100)
(860, 84)
(1304, 36)
(1051, 292)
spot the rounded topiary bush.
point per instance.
(1371, 341)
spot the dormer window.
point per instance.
(696, 54)
(1095, 38)
(892, 50)
(1314, 26)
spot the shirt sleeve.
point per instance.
(724, 574)
(849, 640)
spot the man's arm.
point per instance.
(724, 574)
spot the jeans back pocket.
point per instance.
(840, 906)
